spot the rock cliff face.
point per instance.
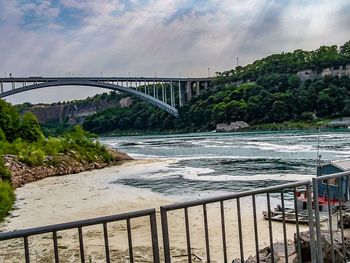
(310, 74)
(74, 113)
(22, 173)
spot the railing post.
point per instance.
(316, 253)
(154, 234)
(165, 231)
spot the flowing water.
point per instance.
(212, 163)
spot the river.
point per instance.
(217, 163)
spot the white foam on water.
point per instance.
(192, 175)
(279, 148)
(225, 157)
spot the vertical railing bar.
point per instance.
(284, 227)
(105, 235)
(297, 224)
(270, 226)
(188, 238)
(256, 230)
(240, 230)
(207, 248)
(128, 226)
(223, 230)
(165, 231)
(81, 245)
(340, 185)
(154, 234)
(330, 221)
(55, 247)
(26, 249)
(315, 258)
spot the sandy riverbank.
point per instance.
(91, 194)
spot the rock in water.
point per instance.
(233, 126)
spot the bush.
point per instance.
(7, 198)
(32, 156)
(29, 128)
(54, 146)
(307, 116)
(5, 174)
(2, 135)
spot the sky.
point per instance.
(166, 37)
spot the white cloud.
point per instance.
(164, 36)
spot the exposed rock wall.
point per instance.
(72, 112)
(67, 164)
(310, 74)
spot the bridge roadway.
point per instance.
(165, 93)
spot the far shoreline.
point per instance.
(251, 129)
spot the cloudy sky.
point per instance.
(115, 37)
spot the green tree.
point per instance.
(279, 111)
(344, 50)
(9, 120)
(29, 128)
(2, 135)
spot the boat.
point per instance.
(290, 215)
(331, 193)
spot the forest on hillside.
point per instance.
(271, 92)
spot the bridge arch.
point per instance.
(71, 82)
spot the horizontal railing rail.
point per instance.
(26, 233)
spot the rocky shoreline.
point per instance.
(67, 164)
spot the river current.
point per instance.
(217, 163)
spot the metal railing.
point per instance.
(220, 200)
(228, 207)
(54, 229)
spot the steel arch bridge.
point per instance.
(165, 93)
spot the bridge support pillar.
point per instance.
(163, 93)
(180, 95)
(188, 90)
(198, 88)
(2, 86)
(172, 97)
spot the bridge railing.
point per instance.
(27, 234)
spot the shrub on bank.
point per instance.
(32, 155)
(7, 198)
(5, 174)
